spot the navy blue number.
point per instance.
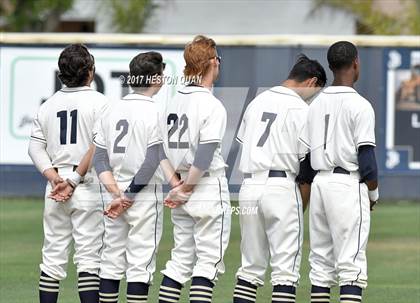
(62, 115)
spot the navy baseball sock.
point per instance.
(108, 290)
(283, 294)
(88, 287)
(350, 294)
(244, 292)
(201, 290)
(48, 289)
(320, 294)
(137, 292)
(170, 290)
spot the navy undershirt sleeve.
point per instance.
(101, 160)
(154, 155)
(204, 155)
(368, 168)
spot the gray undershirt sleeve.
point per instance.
(154, 155)
(204, 155)
(101, 160)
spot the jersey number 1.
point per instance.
(62, 115)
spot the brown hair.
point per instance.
(197, 55)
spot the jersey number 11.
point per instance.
(62, 115)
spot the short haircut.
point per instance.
(197, 55)
(306, 68)
(144, 66)
(341, 55)
(74, 64)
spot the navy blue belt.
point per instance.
(205, 175)
(271, 174)
(340, 170)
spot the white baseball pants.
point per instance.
(201, 232)
(79, 219)
(131, 240)
(274, 234)
(339, 229)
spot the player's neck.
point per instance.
(145, 92)
(343, 80)
(291, 84)
(207, 82)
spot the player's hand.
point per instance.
(372, 205)
(56, 181)
(176, 197)
(178, 183)
(117, 207)
(61, 192)
(172, 204)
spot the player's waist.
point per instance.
(272, 173)
(339, 171)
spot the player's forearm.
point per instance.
(52, 175)
(86, 161)
(108, 180)
(202, 160)
(372, 185)
(38, 153)
(169, 172)
(194, 176)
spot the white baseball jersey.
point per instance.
(194, 116)
(270, 130)
(127, 128)
(339, 121)
(65, 122)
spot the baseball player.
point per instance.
(128, 152)
(61, 148)
(196, 122)
(340, 132)
(271, 159)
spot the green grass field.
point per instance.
(393, 255)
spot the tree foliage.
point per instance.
(32, 15)
(374, 20)
(130, 16)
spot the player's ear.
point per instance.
(356, 63)
(312, 82)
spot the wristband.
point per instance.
(74, 179)
(374, 195)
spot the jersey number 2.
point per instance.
(270, 117)
(62, 115)
(123, 126)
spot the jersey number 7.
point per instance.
(270, 117)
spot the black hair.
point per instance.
(144, 66)
(74, 64)
(341, 55)
(306, 68)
